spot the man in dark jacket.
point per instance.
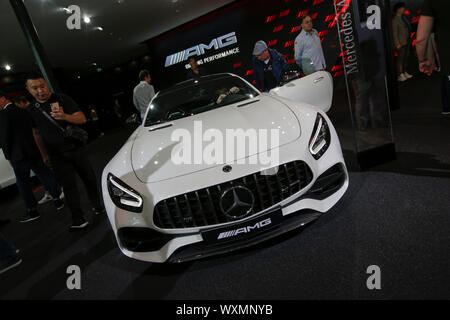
(23, 148)
(195, 71)
(67, 158)
(268, 65)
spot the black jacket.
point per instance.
(16, 135)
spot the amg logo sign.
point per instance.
(247, 229)
(217, 43)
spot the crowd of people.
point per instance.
(43, 136)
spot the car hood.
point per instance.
(153, 148)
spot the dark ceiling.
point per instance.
(126, 24)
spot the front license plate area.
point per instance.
(244, 229)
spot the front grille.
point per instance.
(201, 207)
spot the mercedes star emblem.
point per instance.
(237, 202)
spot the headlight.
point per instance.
(123, 195)
(320, 139)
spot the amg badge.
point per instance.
(247, 229)
(198, 50)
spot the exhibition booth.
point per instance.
(356, 44)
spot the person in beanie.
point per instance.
(268, 65)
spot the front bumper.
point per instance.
(326, 185)
(149, 245)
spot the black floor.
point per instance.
(396, 216)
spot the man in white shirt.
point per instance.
(308, 48)
(143, 93)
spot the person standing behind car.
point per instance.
(268, 65)
(143, 93)
(401, 29)
(23, 148)
(66, 156)
(195, 71)
(308, 48)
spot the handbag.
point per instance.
(72, 134)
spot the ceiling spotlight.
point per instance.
(7, 67)
(100, 28)
(87, 19)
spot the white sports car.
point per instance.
(7, 176)
(162, 210)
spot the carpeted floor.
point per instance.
(395, 216)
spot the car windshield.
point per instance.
(198, 96)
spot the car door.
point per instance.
(315, 89)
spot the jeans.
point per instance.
(66, 165)
(7, 250)
(445, 90)
(23, 180)
(402, 59)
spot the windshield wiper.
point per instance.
(149, 124)
(161, 127)
(247, 103)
